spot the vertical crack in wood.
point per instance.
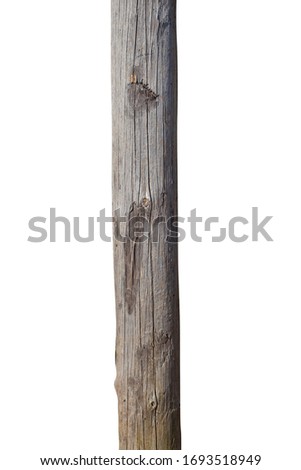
(150, 242)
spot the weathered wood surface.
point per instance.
(145, 185)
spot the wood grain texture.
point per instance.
(145, 185)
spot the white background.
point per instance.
(239, 146)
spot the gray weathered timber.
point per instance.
(144, 106)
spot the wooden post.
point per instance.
(144, 106)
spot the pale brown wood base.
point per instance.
(144, 106)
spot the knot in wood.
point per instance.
(145, 202)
